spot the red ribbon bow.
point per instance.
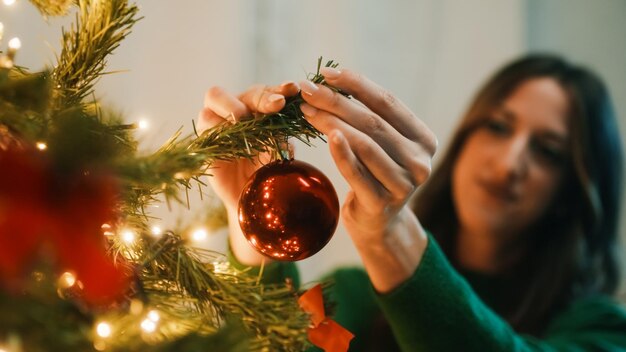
(325, 332)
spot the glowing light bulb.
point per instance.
(199, 235)
(128, 236)
(15, 43)
(9, 2)
(143, 124)
(1, 29)
(156, 231)
(154, 316)
(103, 330)
(148, 325)
(67, 279)
(41, 145)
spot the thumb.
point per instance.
(207, 119)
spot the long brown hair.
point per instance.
(574, 245)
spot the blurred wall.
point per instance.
(432, 53)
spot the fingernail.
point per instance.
(308, 110)
(330, 72)
(274, 98)
(308, 87)
(289, 85)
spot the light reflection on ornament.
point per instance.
(303, 182)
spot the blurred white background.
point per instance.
(432, 53)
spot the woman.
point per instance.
(524, 205)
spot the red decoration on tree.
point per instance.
(39, 209)
(288, 210)
(324, 333)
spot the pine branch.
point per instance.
(181, 160)
(200, 288)
(53, 7)
(100, 27)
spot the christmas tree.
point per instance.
(81, 267)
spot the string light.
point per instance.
(128, 236)
(6, 61)
(148, 325)
(15, 43)
(9, 2)
(67, 279)
(103, 330)
(156, 231)
(154, 316)
(41, 146)
(143, 124)
(199, 235)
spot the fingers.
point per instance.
(332, 106)
(372, 171)
(287, 89)
(359, 116)
(383, 103)
(358, 177)
(258, 98)
(208, 119)
(224, 104)
(268, 99)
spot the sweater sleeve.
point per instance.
(437, 310)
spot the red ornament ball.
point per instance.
(288, 210)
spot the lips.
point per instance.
(502, 192)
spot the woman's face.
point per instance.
(510, 167)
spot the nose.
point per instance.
(511, 159)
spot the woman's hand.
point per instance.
(384, 152)
(229, 177)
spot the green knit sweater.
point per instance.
(438, 310)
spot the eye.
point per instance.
(497, 126)
(548, 152)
